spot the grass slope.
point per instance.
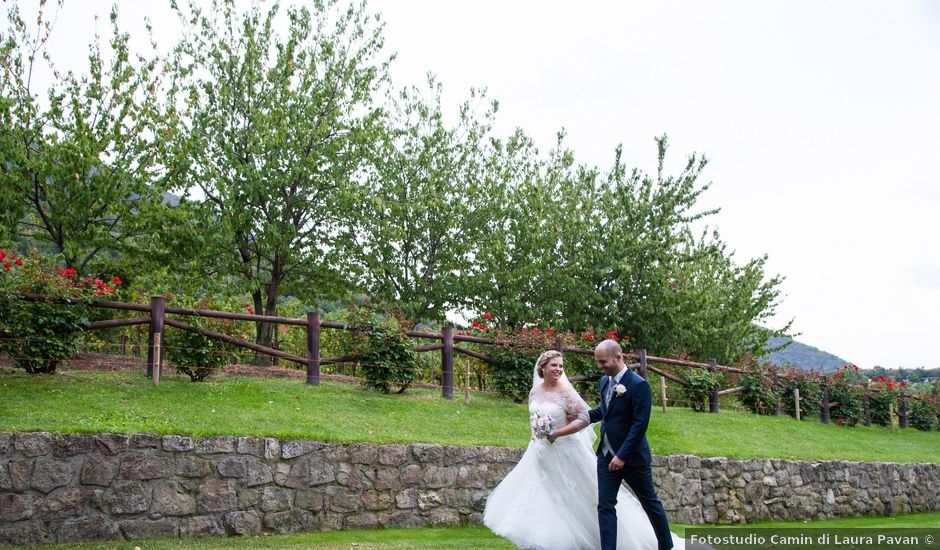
(125, 402)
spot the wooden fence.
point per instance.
(446, 342)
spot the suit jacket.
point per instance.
(625, 420)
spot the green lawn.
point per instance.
(126, 402)
(467, 537)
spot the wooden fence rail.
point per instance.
(446, 342)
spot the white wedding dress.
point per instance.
(549, 500)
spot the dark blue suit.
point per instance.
(624, 422)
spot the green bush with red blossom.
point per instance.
(516, 351)
(39, 334)
(760, 395)
(845, 391)
(884, 394)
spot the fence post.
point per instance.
(713, 395)
(447, 363)
(776, 385)
(824, 406)
(313, 348)
(155, 343)
(559, 345)
(891, 416)
(641, 353)
(796, 402)
(662, 391)
(902, 412)
(123, 344)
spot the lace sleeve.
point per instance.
(575, 406)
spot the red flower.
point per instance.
(549, 331)
(6, 266)
(3, 254)
(99, 283)
(588, 337)
(108, 289)
(69, 271)
(117, 280)
(841, 421)
(488, 316)
(627, 338)
(19, 261)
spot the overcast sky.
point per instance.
(821, 121)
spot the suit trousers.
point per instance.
(640, 481)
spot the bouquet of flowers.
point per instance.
(543, 425)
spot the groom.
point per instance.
(624, 453)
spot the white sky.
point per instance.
(821, 121)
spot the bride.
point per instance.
(549, 500)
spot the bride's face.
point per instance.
(553, 370)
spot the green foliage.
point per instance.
(810, 393)
(39, 334)
(79, 167)
(573, 247)
(511, 376)
(426, 206)
(276, 127)
(883, 395)
(923, 413)
(383, 350)
(701, 383)
(195, 355)
(760, 395)
(844, 389)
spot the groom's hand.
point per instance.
(615, 464)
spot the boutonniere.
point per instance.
(620, 389)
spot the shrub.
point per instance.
(39, 334)
(386, 357)
(760, 395)
(511, 376)
(383, 349)
(810, 392)
(517, 350)
(195, 355)
(701, 383)
(923, 413)
(883, 394)
(844, 389)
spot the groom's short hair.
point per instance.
(610, 347)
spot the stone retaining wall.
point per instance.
(58, 488)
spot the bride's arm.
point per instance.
(574, 407)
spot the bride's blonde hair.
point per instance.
(545, 358)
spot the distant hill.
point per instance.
(802, 356)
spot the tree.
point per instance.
(428, 204)
(275, 129)
(78, 168)
(572, 248)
